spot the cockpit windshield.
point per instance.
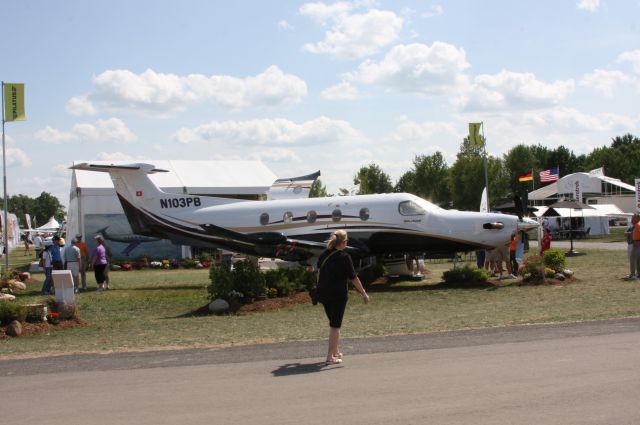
(410, 208)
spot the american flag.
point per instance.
(549, 175)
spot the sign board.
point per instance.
(63, 284)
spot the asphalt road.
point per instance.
(582, 373)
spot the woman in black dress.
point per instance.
(335, 270)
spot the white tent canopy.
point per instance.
(596, 219)
(50, 226)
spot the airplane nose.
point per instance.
(527, 224)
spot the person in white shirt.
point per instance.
(38, 245)
(73, 261)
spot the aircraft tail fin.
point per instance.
(134, 188)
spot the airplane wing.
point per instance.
(275, 244)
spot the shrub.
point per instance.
(64, 311)
(10, 311)
(248, 279)
(53, 317)
(465, 274)
(189, 263)
(205, 257)
(533, 269)
(141, 262)
(278, 280)
(302, 278)
(221, 282)
(554, 259)
(35, 313)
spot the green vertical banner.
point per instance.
(14, 102)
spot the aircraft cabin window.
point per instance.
(364, 214)
(336, 215)
(410, 208)
(264, 219)
(287, 217)
(312, 216)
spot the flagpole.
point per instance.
(4, 182)
(533, 181)
(486, 172)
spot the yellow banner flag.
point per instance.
(13, 102)
(474, 134)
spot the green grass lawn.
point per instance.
(149, 310)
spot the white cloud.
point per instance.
(55, 136)
(417, 68)
(352, 35)
(435, 10)
(275, 155)
(113, 156)
(429, 133)
(633, 57)
(606, 82)
(110, 130)
(508, 89)
(323, 13)
(80, 106)
(159, 94)
(589, 5)
(276, 131)
(285, 26)
(342, 91)
(17, 157)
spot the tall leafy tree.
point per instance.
(520, 160)
(21, 205)
(561, 156)
(318, 190)
(466, 178)
(406, 183)
(620, 160)
(371, 179)
(40, 209)
(430, 178)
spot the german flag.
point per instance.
(526, 178)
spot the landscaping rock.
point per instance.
(7, 297)
(17, 286)
(219, 306)
(24, 276)
(559, 276)
(14, 329)
(567, 272)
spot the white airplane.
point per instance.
(295, 229)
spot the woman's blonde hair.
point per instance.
(336, 239)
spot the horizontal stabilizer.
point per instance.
(106, 167)
(293, 187)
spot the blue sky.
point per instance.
(311, 85)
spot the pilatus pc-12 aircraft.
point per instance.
(295, 229)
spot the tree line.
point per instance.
(41, 209)
(460, 184)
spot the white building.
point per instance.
(596, 189)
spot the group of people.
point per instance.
(55, 255)
(511, 254)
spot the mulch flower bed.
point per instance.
(44, 327)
